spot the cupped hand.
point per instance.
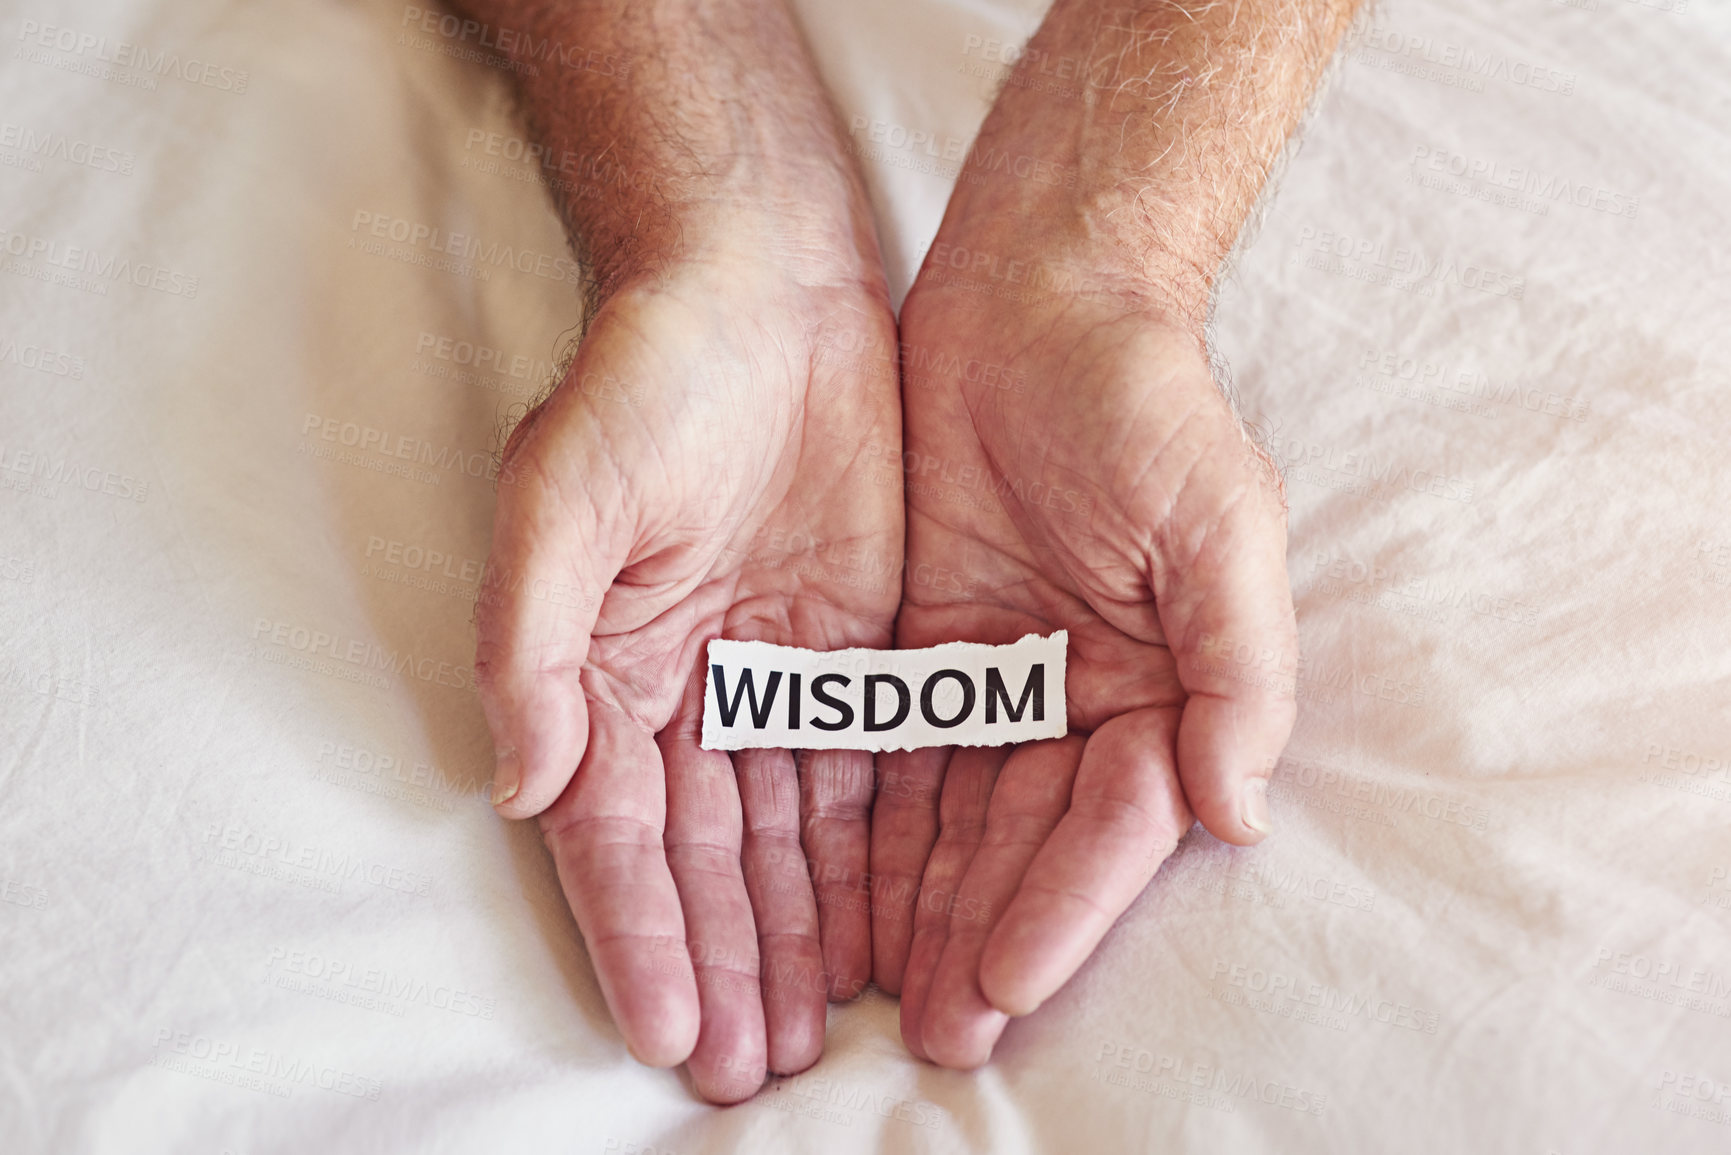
(1070, 464)
(702, 471)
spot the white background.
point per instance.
(1502, 788)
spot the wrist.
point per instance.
(1066, 248)
(1071, 181)
(809, 223)
(1141, 134)
(717, 134)
(1043, 195)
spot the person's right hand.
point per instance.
(701, 472)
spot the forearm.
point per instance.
(674, 128)
(1151, 153)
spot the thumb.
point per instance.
(1226, 608)
(552, 559)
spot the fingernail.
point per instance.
(1255, 806)
(507, 776)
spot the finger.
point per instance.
(960, 1027)
(969, 780)
(605, 836)
(795, 988)
(551, 561)
(835, 792)
(1125, 817)
(904, 827)
(1226, 610)
(924, 950)
(704, 837)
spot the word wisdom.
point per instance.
(960, 694)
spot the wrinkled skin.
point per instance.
(667, 493)
(1151, 529)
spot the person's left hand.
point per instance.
(1070, 464)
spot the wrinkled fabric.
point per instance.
(275, 279)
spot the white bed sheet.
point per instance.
(254, 903)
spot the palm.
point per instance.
(730, 526)
(676, 482)
(1100, 485)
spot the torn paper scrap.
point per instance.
(958, 694)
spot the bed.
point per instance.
(275, 276)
